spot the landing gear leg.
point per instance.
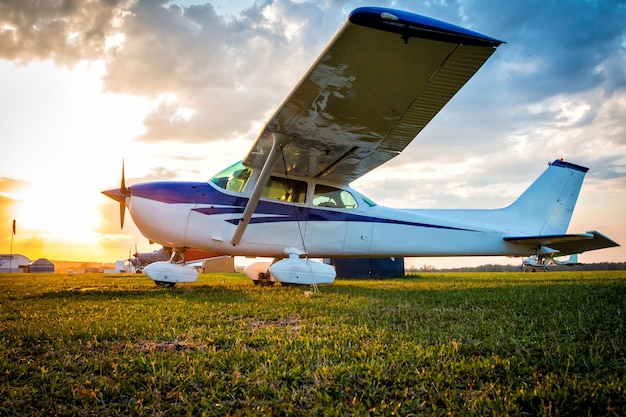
(164, 284)
(264, 280)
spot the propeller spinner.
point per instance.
(119, 195)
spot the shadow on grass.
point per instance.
(196, 293)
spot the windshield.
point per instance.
(234, 178)
(366, 200)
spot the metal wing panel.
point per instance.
(370, 92)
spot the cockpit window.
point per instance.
(285, 189)
(234, 178)
(327, 196)
(367, 200)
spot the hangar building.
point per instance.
(40, 265)
(13, 263)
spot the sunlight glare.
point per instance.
(49, 210)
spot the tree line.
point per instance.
(598, 266)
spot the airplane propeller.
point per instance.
(124, 191)
(120, 195)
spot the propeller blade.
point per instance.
(120, 195)
(123, 189)
(122, 213)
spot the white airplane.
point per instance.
(536, 263)
(381, 79)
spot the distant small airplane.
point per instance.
(381, 79)
(140, 260)
(542, 263)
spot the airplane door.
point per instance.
(325, 231)
(358, 237)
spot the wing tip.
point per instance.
(414, 25)
(564, 164)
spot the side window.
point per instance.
(285, 189)
(326, 196)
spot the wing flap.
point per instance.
(565, 244)
(372, 90)
(458, 68)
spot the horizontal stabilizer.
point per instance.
(565, 244)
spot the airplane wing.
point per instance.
(565, 244)
(382, 78)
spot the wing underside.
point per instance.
(383, 77)
(565, 244)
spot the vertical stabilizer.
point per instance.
(546, 207)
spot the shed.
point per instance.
(368, 267)
(40, 265)
(13, 263)
(220, 264)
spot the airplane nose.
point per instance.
(116, 194)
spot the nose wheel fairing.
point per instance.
(291, 271)
(167, 274)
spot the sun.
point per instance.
(55, 212)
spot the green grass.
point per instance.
(434, 344)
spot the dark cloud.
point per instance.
(572, 46)
(227, 71)
(65, 31)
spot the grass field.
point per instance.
(434, 344)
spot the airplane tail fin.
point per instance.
(546, 207)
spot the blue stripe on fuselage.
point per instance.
(213, 202)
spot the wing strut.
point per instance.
(279, 140)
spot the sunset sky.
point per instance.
(179, 90)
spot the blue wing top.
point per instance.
(415, 25)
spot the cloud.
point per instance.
(224, 72)
(555, 87)
(568, 41)
(213, 76)
(65, 31)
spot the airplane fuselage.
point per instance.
(203, 216)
